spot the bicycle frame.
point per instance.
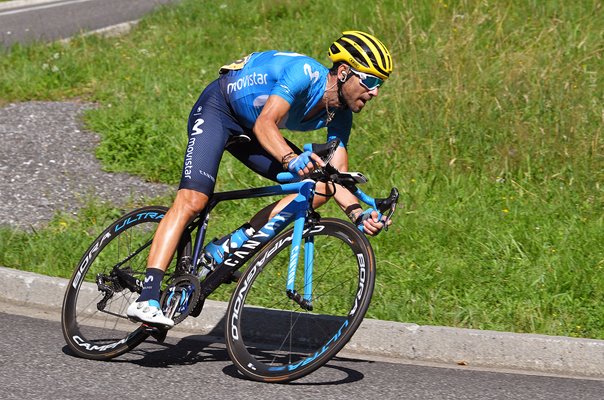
(345, 273)
(297, 211)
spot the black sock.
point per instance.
(152, 284)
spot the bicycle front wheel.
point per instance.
(271, 337)
(107, 279)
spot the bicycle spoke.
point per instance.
(106, 278)
(270, 336)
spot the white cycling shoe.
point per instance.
(149, 312)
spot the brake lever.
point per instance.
(388, 215)
(324, 150)
(388, 206)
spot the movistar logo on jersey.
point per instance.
(246, 81)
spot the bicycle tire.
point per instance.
(269, 337)
(104, 334)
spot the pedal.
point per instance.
(197, 309)
(156, 332)
(234, 277)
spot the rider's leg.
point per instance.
(186, 206)
(268, 212)
(257, 159)
(209, 127)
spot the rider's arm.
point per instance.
(267, 131)
(347, 201)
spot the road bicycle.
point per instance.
(283, 320)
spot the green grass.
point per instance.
(491, 125)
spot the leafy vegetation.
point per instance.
(491, 125)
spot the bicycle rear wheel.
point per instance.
(107, 279)
(271, 337)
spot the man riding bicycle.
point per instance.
(252, 99)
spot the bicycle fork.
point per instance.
(304, 300)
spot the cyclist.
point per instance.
(253, 98)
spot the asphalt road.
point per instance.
(24, 21)
(34, 363)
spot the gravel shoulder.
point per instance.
(47, 164)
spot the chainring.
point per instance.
(180, 297)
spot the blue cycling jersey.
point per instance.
(298, 79)
(230, 106)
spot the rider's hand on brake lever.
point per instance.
(303, 164)
(371, 223)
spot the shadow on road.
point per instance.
(195, 349)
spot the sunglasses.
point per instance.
(370, 82)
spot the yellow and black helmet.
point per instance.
(363, 52)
